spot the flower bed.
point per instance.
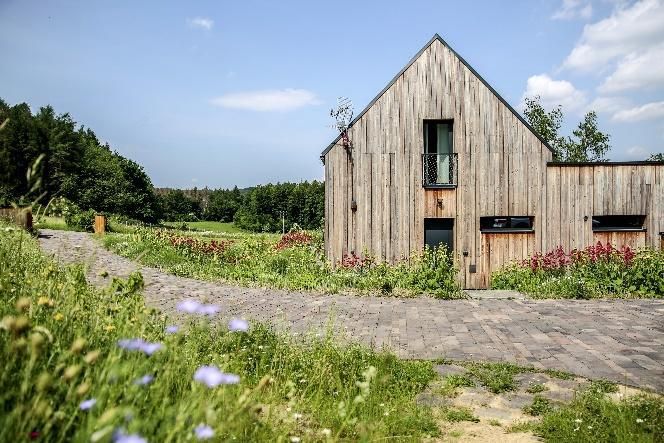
(599, 270)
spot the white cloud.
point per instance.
(572, 9)
(201, 22)
(648, 111)
(629, 29)
(637, 153)
(608, 104)
(637, 71)
(267, 100)
(554, 92)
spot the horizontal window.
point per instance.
(618, 222)
(506, 224)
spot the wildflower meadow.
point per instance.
(82, 364)
(295, 260)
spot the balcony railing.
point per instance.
(439, 170)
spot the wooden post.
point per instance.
(19, 216)
(100, 224)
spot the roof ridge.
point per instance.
(437, 37)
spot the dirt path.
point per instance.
(620, 340)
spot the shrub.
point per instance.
(596, 271)
(78, 219)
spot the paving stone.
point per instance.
(620, 340)
(527, 379)
(445, 370)
(518, 400)
(431, 400)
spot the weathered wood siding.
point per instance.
(501, 167)
(502, 171)
(576, 192)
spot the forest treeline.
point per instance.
(71, 162)
(256, 209)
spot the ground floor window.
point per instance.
(618, 223)
(439, 231)
(507, 224)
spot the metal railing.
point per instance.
(439, 170)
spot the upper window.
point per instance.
(618, 222)
(506, 224)
(438, 137)
(438, 160)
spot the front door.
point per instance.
(439, 231)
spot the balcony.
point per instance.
(439, 170)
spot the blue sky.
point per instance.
(213, 93)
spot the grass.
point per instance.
(47, 222)
(592, 417)
(271, 261)
(539, 406)
(59, 347)
(450, 384)
(536, 388)
(211, 226)
(496, 377)
(460, 414)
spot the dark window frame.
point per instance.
(509, 222)
(619, 223)
(427, 182)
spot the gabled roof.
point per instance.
(437, 37)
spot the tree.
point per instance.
(223, 204)
(74, 165)
(177, 206)
(659, 157)
(587, 144)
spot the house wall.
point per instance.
(501, 167)
(574, 192)
(502, 171)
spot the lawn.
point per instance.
(210, 226)
(82, 364)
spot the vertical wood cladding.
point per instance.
(502, 171)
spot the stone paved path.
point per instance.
(620, 340)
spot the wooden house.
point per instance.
(440, 157)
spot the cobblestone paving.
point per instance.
(620, 340)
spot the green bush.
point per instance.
(59, 347)
(597, 271)
(78, 219)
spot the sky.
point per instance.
(224, 93)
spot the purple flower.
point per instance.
(131, 344)
(173, 329)
(188, 306)
(212, 377)
(238, 325)
(138, 344)
(151, 348)
(145, 380)
(87, 404)
(208, 310)
(120, 437)
(203, 432)
(194, 307)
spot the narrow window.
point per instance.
(439, 231)
(618, 223)
(507, 224)
(438, 159)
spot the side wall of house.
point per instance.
(576, 192)
(501, 169)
